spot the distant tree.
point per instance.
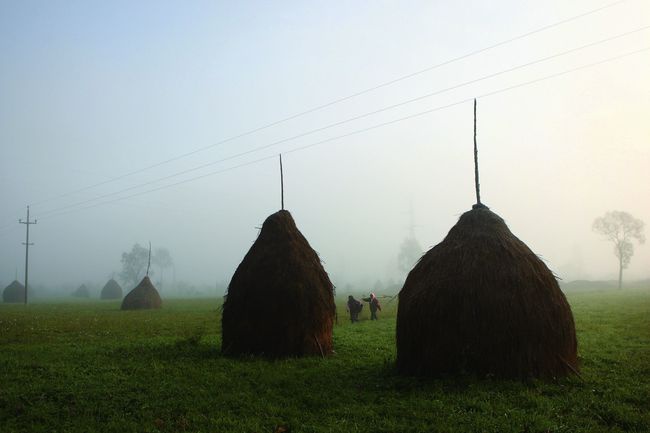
(409, 253)
(621, 228)
(134, 264)
(163, 260)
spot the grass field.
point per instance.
(86, 366)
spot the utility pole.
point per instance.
(27, 244)
(411, 221)
(412, 226)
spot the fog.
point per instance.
(93, 91)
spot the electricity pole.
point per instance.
(27, 244)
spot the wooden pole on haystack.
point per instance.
(281, 184)
(476, 183)
(149, 261)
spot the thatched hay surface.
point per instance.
(112, 290)
(81, 292)
(482, 302)
(14, 292)
(143, 297)
(280, 300)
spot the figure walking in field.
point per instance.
(354, 307)
(374, 306)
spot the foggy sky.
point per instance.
(93, 90)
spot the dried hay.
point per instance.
(143, 297)
(280, 300)
(81, 292)
(14, 293)
(482, 302)
(111, 290)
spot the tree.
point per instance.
(163, 260)
(621, 228)
(410, 252)
(134, 264)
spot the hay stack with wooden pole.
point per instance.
(144, 296)
(111, 290)
(14, 293)
(81, 292)
(481, 302)
(280, 300)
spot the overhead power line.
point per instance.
(342, 99)
(345, 121)
(165, 186)
(376, 126)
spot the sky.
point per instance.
(99, 101)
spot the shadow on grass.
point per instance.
(373, 375)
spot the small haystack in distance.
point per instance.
(14, 293)
(111, 290)
(143, 297)
(81, 292)
(482, 302)
(280, 300)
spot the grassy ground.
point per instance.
(86, 366)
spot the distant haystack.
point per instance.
(81, 292)
(280, 300)
(143, 297)
(14, 293)
(482, 302)
(111, 290)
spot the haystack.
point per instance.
(111, 290)
(280, 300)
(143, 297)
(81, 292)
(482, 302)
(14, 292)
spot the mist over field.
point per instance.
(100, 101)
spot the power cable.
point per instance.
(345, 121)
(166, 186)
(359, 131)
(342, 99)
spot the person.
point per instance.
(354, 307)
(374, 305)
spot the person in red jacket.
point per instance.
(374, 306)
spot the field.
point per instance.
(86, 366)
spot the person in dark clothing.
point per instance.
(374, 305)
(354, 308)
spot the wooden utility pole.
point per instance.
(27, 244)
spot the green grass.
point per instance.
(86, 366)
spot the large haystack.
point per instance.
(143, 297)
(14, 292)
(111, 290)
(81, 292)
(482, 302)
(280, 300)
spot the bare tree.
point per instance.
(134, 264)
(621, 228)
